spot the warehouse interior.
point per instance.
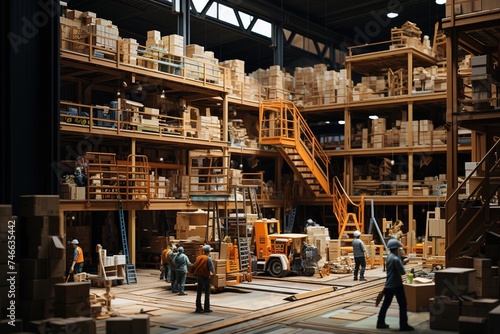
(136, 125)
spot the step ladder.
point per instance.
(130, 272)
(244, 253)
(254, 203)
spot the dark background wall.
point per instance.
(29, 133)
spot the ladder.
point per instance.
(253, 201)
(244, 253)
(129, 267)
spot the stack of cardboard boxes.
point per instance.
(41, 253)
(465, 297)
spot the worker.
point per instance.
(394, 287)
(171, 262)
(360, 254)
(165, 272)
(77, 265)
(181, 268)
(204, 268)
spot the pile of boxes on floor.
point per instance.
(466, 299)
(37, 297)
(319, 236)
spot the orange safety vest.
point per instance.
(79, 258)
(164, 255)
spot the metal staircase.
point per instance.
(478, 213)
(348, 221)
(130, 272)
(283, 126)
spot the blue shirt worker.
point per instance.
(394, 287)
(204, 268)
(359, 250)
(181, 268)
(77, 265)
(171, 262)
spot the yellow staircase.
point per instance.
(283, 126)
(348, 221)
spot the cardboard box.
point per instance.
(39, 205)
(493, 320)
(72, 292)
(80, 193)
(218, 281)
(34, 268)
(140, 323)
(81, 309)
(119, 325)
(467, 324)
(453, 282)
(83, 325)
(41, 225)
(444, 313)
(418, 295)
(37, 289)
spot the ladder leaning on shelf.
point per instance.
(130, 268)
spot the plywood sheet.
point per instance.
(353, 316)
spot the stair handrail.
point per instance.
(455, 194)
(340, 201)
(304, 134)
(288, 124)
(455, 230)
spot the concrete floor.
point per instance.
(171, 313)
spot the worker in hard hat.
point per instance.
(77, 264)
(394, 287)
(171, 262)
(165, 270)
(181, 269)
(360, 254)
(204, 268)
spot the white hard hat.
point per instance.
(310, 221)
(394, 244)
(75, 242)
(206, 248)
(180, 249)
(357, 233)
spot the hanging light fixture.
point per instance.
(441, 2)
(392, 15)
(162, 94)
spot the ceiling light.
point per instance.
(441, 2)
(373, 117)
(392, 15)
(341, 122)
(162, 94)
